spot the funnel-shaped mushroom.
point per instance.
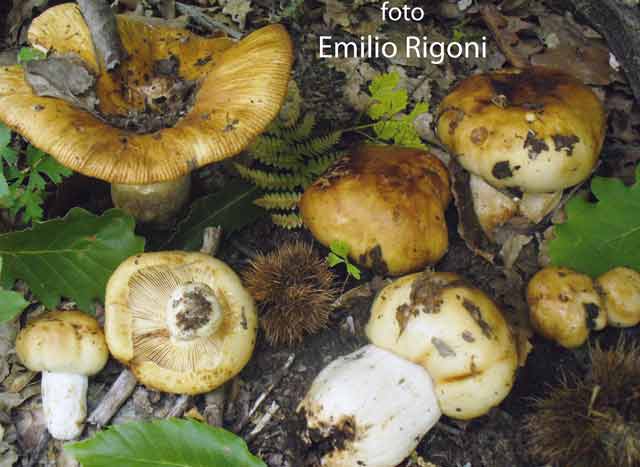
(181, 321)
(239, 90)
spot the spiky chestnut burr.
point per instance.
(294, 290)
(591, 420)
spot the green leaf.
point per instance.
(388, 99)
(353, 270)
(169, 443)
(334, 260)
(53, 169)
(5, 136)
(4, 191)
(340, 248)
(31, 201)
(11, 305)
(26, 54)
(232, 209)
(71, 257)
(598, 237)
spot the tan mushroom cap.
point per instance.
(63, 342)
(242, 87)
(564, 306)
(387, 203)
(620, 290)
(455, 331)
(138, 330)
(536, 129)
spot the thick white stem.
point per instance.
(64, 401)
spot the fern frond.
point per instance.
(267, 146)
(287, 221)
(319, 165)
(272, 181)
(279, 201)
(317, 146)
(302, 130)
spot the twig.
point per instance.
(117, 395)
(204, 20)
(264, 420)
(261, 398)
(496, 23)
(211, 240)
(179, 407)
(366, 290)
(101, 21)
(215, 400)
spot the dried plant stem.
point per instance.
(117, 395)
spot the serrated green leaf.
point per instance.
(388, 100)
(334, 260)
(352, 270)
(172, 443)
(26, 54)
(31, 202)
(598, 237)
(5, 135)
(232, 209)
(4, 191)
(71, 257)
(9, 155)
(53, 169)
(34, 155)
(340, 248)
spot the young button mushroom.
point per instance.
(564, 306)
(231, 92)
(620, 291)
(369, 408)
(455, 332)
(68, 347)
(181, 321)
(530, 132)
(387, 203)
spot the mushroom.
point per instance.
(67, 347)
(236, 90)
(620, 291)
(369, 408)
(182, 322)
(387, 203)
(455, 331)
(530, 132)
(564, 306)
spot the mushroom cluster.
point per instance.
(565, 306)
(387, 203)
(238, 89)
(524, 135)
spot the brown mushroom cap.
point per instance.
(387, 203)
(564, 306)
(242, 87)
(138, 326)
(536, 129)
(63, 342)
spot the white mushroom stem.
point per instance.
(64, 401)
(193, 311)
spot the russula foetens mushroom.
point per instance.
(533, 131)
(620, 291)
(387, 203)
(564, 306)
(239, 89)
(455, 331)
(371, 406)
(182, 322)
(67, 347)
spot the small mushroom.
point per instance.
(181, 321)
(620, 290)
(235, 91)
(528, 132)
(387, 203)
(67, 347)
(455, 331)
(369, 408)
(564, 306)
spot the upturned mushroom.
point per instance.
(387, 203)
(67, 347)
(565, 306)
(369, 408)
(524, 135)
(455, 331)
(620, 292)
(231, 92)
(182, 322)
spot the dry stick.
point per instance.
(117, 395)
(261, 398)
(210, 245)
(101, 21)
(496, 22)
(204, 20)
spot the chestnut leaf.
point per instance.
(176, 443)
(598, 237)
(71, 257)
